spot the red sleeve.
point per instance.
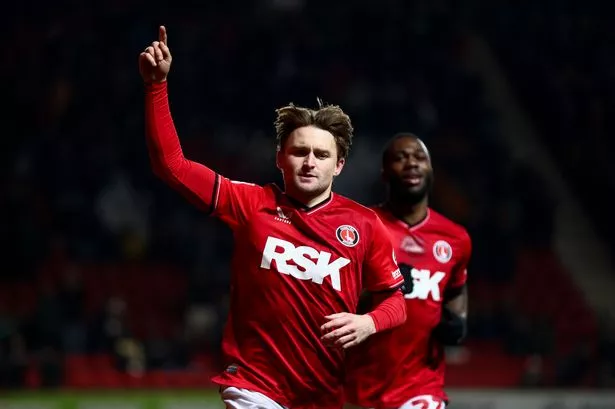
(380, 270)
(235, 201)
(390, 310)
(231, 201)
(460, 270)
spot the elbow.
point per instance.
(162, 172)
(165, 171)
(166, 164)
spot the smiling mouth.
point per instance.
(413, 179)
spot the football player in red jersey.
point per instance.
(302, 256)
(404, 368)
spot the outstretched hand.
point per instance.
(155, 60)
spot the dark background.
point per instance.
(109, 272)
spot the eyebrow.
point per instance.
(414, 151)
(306, 147)
(320, 150)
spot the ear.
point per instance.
(278, 159)
(339, 166)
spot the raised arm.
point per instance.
(196, 182)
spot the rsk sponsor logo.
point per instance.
(303, 262)
(425, 284)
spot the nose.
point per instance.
(411, 163)
(309, 161)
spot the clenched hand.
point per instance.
(155, 61)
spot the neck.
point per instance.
(308, 200)
(411, 213)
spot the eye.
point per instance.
(300, 152)
(399, 157)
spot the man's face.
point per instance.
(308, 161)
(407, 169)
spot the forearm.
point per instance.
(456, 300)
(390, 310)
(452, 328)
(195, 181)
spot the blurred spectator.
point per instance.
(573, 367)
(51, 367)
(71, 296)
(111, 333)
(606, 351)
(48, 320)
(533, 372)
(13, 361)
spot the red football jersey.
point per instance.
(394, 366)
(291, 267)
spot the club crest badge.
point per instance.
(442, 251)
(347, 235)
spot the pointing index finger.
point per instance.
(162, 35)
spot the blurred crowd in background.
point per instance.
(560, 58)
(101, 257)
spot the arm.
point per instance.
(382, 279)
(456, 300)
(346, 330)
(387, 309)
(390, 310)
(452, 328)
(231, 201)
(197, 183)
